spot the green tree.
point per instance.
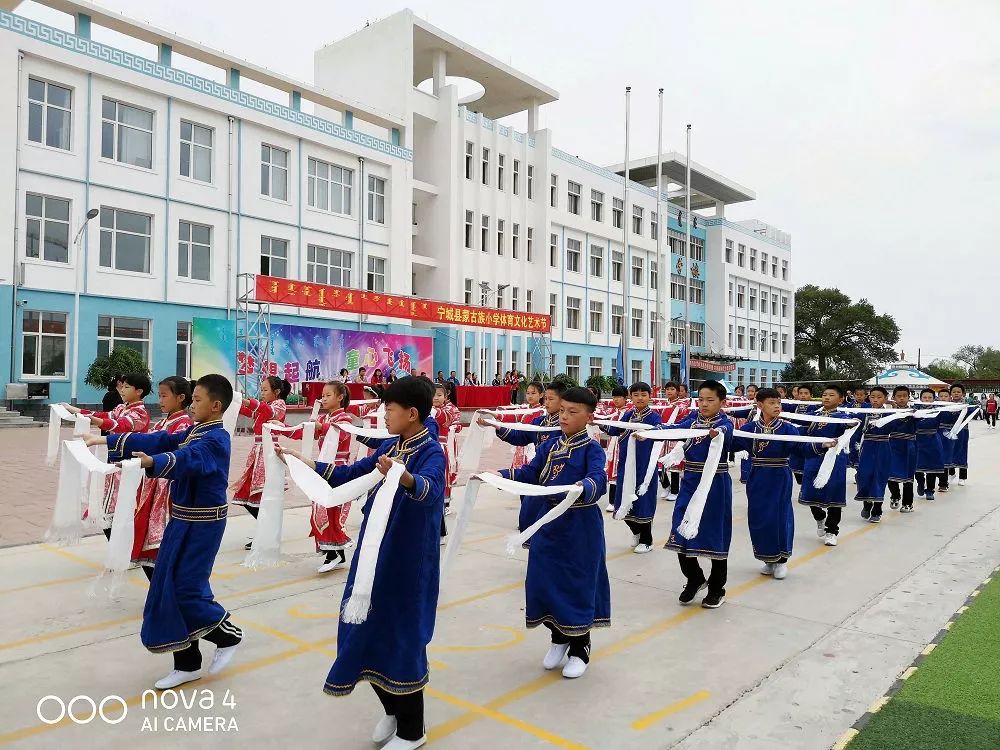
(122, 361)
(844, 338)
(799, 370)
(983, 361)
(946, 370)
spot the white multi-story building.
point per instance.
(377, 177)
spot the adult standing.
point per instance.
(991, 411)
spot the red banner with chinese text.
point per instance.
(705, 364)
(341, 299)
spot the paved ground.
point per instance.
(782, 664)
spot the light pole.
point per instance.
(91, 214)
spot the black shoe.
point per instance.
(713, 600)
(894, 503)
(691, 591)
(866, 513)
(248, 545)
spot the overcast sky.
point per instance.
(869, 130)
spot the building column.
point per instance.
(533, 116)
(439, 67)
(720, 208)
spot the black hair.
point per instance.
(114, 381)
(413, 392)
(883, 391)
(754, 386)
(957, 385)
(179, 387)
(684, 386)
(595, 390)
(140, 382)
(835, 387)
(536, 385)
(928, 390)
(860, 388)
(763, 394)
(448, 388)
(671, 384)
(578, 395)
(897, 389)
(556, 385)
(218, 388)
(279, 385)
(639, 387)
(715, 387)
(619, 391)
(341, 390)
(800, 386)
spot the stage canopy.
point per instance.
(905, 374)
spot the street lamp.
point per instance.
(91, 214)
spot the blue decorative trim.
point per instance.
(721, 221)
(73, 43)
(471, 116)
(489, 124)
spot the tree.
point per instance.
(798, 370)
(122, 361)
(983, 361)
(946, 370)
(844, 338)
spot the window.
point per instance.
(500, 165)
(697, 249)
(196, 151)
(515, 302)
(753, 374)
(753, 299)
(729, 251)
(697, 334)
(325, 265)
(194, 251)
(763, 263)
(617, 262)
(784, 306)
(375, 281)
(637, 274)
(125, 238)
(653, 279)
(741, 373)
(274, 257)
(784, 270)
(529, 301)
(500, 292)
(730, 294)
(516, 178)
(597, 205)
(654, 225)
(500, 366)
(330, 187)
(677, 285)
(127, 134)
(573, 313)
(697, 292)
(741, 256)
(554, 191)
(652, 325)
(469, 218)
(531, 243)
(617, 318)
(553, 303)
(468, 291)
(483, 366)
(741, 293)
(554, 250)
(729, 339)
(528, 366)
(597, 261)
(43, 344)
(784, 343)
(515, 240)
(50, 113)
(636, 219)
(466, 360)
(376, 199)
(515, 360)
(573, 253)
(484, 296)
(573, 366)
(484, 234)
(763, 340)
(596, 367)
(125, 333)
(573, 192)
(753, 259)
(636, 323)
(469, 167)
(47, 221)
(531, 182)
(676, 332)
(274, 172)
(774, 266)
(753, 339)
(486, 166)
(740, 339)
(774, 342)
(636, 370)
(596, 317)
(500, 228)
(617, 210)
(774, 303)
(183, 366)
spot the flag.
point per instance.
(684, 365)
(620, 365)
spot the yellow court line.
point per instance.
(43, 584)
(647, 721)
(517, 636)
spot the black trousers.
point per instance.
(252, 510)
(962, 473)
(691, 569)
(644, 530)
(225, 634)
(671, 480)
(579, 645)
(875, 508)
(991, 419)
(408, 710)
(832, 516)
(926, 482)
(907, 492)
(798, 476)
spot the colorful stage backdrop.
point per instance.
(302, 353)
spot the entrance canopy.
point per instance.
(906, 374)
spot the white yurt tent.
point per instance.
(905, 374)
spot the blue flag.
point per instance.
(620, 365)
(684, 365)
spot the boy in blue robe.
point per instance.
(797, 460)
(640, 517)
(827, 503)
(903, 451)
(930, 451)
(873, 461)
(715, 532)
(945, 422)
(960, 449)
(566, 587)
(861, 401)
(389, 649)
(180, 608)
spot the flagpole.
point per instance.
(626, 269)
(661, 276)
(686, 375)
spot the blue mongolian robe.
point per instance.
(834, 494)
(715, 532)
(855, 454)
(770, 513)
(946, 421)
(389, 649)
(566, 585)
(930, 451)
(180, 606)
(644, 507)
(532, 508)
(903, 450)
(797, 460)
(749, 413)
(960, 446)
(874, 458)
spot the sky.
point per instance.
(869, 130)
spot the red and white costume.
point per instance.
(123, 418)
(673, 413)
(521, 451)
(247, 489)
(152, 510)
(448, 417)
(614, 414)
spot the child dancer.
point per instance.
(827, 503)
(389, 649)
(930, 451)
(448, 417)
(566, 587)
(180, 608)
(619, 402)
(797, 460)
(860, 402)
(903, 451)
(533, 400)
(874, 459)
(676, 409)
(640, 517)
(270, 408)
(960, 449)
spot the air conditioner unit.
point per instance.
(17, 391)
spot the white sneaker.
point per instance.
(671, 497)
(384, 730)
(222, 658)
(175, 678)
(555, 655)
(821, 527)
(780, 570)
(642, 549)
(830, 540)
(767, 569)
(447, 510)
(961, 482)
(335, 564)
(397, 743)
(635, 540)
(609, 508)
(574, 668)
